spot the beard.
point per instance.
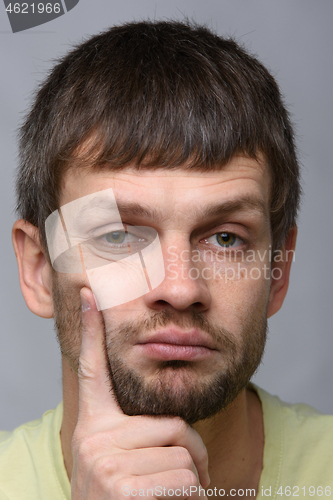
(176, 389)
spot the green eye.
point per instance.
(225, 239)
(115, 237)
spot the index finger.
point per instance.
(96, 396)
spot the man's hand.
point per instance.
(114, 453)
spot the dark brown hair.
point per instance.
(156, 94)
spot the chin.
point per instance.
(175, 390)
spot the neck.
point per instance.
(234, 438)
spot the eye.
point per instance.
(117, 242)
(115, 237)
(225, 240)
(121, 237)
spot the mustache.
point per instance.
(127, 330)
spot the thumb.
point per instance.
(96, 397)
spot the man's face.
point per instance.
(192, 343)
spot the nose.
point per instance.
(184, 286)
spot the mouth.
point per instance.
(174, 344)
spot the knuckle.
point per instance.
(178, 427)
(105, 466)
(85, 370)
(183, 457)
(188, 478)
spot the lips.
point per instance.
(174, 344)
(178, 337)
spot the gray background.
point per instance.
(294, 39)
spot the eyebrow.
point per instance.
(241, 204)
(247, 203)
(97, 206)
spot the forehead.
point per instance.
(174, 191)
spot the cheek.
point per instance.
(240, 296)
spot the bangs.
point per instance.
(148, 148)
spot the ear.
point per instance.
(35, 271)
(280, 273)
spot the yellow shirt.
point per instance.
(298, 452)
(31, 462)
(298, 455)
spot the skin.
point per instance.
(104, 449)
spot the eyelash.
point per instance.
(126, 234)
(227, 247)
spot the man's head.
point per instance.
(193, 130)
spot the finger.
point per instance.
(144, 432)
(147, 461)
(95, 393)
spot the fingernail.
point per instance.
(85, 304)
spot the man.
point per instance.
(158, 191)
